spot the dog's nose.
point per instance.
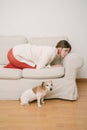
(50, 89)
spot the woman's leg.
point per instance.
(14, 63)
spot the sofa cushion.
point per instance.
(6, 73)
(7, 42)
(55, 72)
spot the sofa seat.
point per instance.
(9, 73)
(47, 73)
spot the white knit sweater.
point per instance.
(34, 55)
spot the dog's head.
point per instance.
(48, 85)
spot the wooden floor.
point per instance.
(54, 115)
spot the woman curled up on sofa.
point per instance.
(36, 57)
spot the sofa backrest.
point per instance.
(50, 41)
(7, 42)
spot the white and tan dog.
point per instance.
(37, 93)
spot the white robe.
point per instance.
(34, 55)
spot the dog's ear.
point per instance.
(42, 84)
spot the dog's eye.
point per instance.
(51, 84)
(47, 85)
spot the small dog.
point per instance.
(36, 93)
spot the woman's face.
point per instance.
(63, 51)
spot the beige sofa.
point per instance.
(15, 81)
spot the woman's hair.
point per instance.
(63, 44)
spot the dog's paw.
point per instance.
(39, 106)
(43, 102)
(22, 104)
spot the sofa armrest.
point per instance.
(72, 63)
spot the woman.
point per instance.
(36, 57)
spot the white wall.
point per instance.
(47, 18)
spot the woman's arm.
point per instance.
(57, 65)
